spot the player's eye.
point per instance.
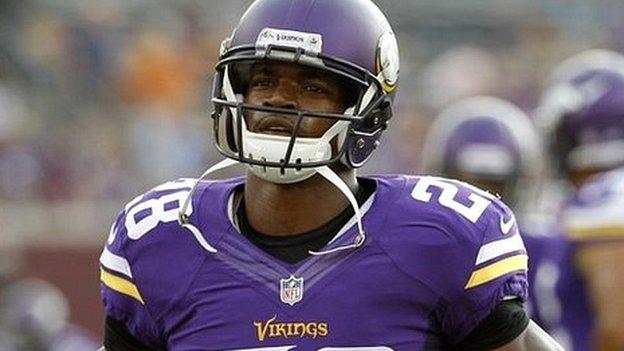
(313, 88)
(262, 82)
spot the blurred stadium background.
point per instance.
(101, 100)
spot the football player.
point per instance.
(490, 142)
(582, 113)
(301, 254)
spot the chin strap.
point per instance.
(325, 171)
(183, 217)
(333, 178)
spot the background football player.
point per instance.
(34, 316)
(582, 115)
(301, 253)
(490, 142)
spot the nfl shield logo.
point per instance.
(291, 290)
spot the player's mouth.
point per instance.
(275, 126)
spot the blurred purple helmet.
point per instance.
(484, 138)
(351, 39)
(582, 112)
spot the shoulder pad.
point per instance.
(457, 217)
(462, 243)
(452, 204)
(145, 241)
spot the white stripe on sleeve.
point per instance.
(115, 263)
(498, 248)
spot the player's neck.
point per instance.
(290, 209)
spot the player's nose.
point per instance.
(284, 95)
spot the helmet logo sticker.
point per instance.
(225, 46)
(310, 42)
(387, 61)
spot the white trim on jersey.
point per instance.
(607, 214)
(608, 211)
(499, 248)
(115, 263)
(601, 213)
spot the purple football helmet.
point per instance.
(582, 112)
(484, 140)
(350, 39)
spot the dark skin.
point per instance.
(283, 210)
(578, 178)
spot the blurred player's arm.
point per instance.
(602, 266)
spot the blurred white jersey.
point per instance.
(596, 211)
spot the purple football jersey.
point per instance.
(558, 300)
(439, 255)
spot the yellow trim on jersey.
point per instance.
(497, 269)
(608, 231)
(121, 285)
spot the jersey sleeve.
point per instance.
(596, 211)
(465, 246)
(122, 297)
(493, 268)
(149, 262)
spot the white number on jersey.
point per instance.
(159, 210)
(447, 197)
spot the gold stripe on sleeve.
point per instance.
(120, 285)
(497, 269)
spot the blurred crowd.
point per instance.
(99, 96)
(98, 99)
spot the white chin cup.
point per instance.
(272, 148)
